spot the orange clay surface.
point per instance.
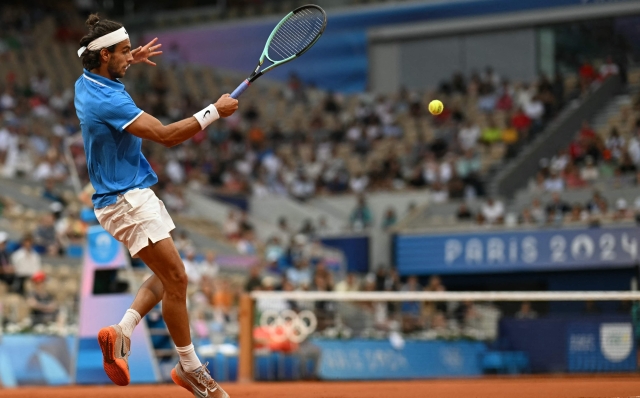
(498, 387)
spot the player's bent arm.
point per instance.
(149, 128)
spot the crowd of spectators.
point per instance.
(242, 155)
(428, 320)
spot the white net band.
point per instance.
(452, 296)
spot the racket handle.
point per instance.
(243, 86)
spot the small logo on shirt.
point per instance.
(205, 114)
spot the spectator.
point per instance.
(274, 250)
(626, 165)
(578, 213)
(359, 183)
(526, 218)
(491, 133)
(284, 233)
(209, 267)
(597, 204)
(538, 213)
(560, 161)
(463, 213)
(174, 198)
(411, 309)
(521, 122)
(439, 192)
(50, 193)
(255, 281)
(493, 211)
(390, 219)
(557, 206)
(26, 262)
(349, 284)
(526, 312)
(534, 111)
(43, 307)
(586, 132)
(300, 275)
(587, 73)
(247, 244)
(7, 272)
(231, 227)
(361, 217)
(573, 179)
(435, 284)
(554, 183)
(510, 138)
(622, 211)
(589, 172)
(609, 68)
(634, 145)
(183, 243)
(615, 144)
(468, 136)
(45, 235)
(191, 267)
(412, 285)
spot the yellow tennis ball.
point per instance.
(436, 107)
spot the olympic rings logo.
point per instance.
(288, 325)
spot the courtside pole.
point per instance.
(245, 341)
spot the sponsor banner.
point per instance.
(379, 360)
(36, 360)
(512, 251)
(601, 347)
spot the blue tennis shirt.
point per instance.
(114, 157)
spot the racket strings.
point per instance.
(296, 33)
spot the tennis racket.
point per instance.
(292, 37)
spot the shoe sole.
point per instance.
(176, 379)
(115, 368)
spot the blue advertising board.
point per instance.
(548, 250)
(36, 360)
(378, 360)
(601, 347)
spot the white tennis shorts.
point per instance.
(137, 217)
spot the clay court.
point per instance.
(547, 387)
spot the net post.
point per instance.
(245, 359)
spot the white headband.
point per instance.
(107, 40)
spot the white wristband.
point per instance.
(207, 116)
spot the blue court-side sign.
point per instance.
(378, 360)
(517, 251)
(601, 347)
(103, 248)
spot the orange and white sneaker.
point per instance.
(116, 348)
(199, 382)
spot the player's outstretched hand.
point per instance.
(226, 105)
(143, 53)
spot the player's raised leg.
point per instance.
(163, 259)
(115, 340)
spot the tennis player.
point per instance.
(113, 128)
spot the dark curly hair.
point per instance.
(91, 59)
